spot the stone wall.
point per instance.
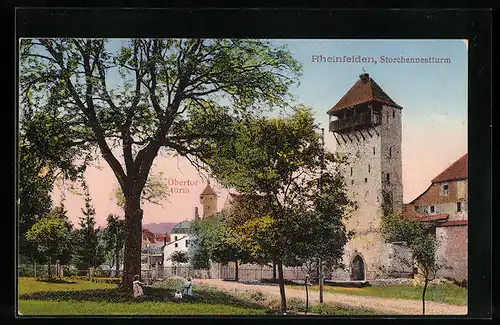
(452, 252)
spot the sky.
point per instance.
(433, 97)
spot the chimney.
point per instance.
(364, 76)
(196, 214)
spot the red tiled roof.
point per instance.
(409, 212)
(435, 218)
(453, 223)
(457, 170)
(364, 90)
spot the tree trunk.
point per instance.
(274, 271)
(307, 295)
(34, 261)
(133, 227)
(236, 276)
(423, 296)
(282, 287)
(117, 261)
(320, 282)
(48, 270)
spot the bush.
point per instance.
(257, 296)
(174, 283)
(296, 305)
(98, 279)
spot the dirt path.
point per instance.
(387, 306)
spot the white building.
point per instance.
(179, 237)
(180, 234)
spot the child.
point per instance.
(188, 288)
(138, 287)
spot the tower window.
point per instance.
(459, 206)
(369, 169)
(351, 171)
(390, 152)
(433, 209)
(373, 150)
(387, 117)
(393, 114)
(388, 178)
(352, 182)
(366, 180)
(444, 190)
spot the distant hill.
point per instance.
(159, 228)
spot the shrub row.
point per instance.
(98, 279)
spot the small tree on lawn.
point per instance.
(178, 258)
(88, 251)
(51, 236)
(421, 241)
(114, 239)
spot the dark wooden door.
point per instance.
(358, 269)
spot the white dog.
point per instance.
(178, 295)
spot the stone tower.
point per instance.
(367, 125)
(208, 200)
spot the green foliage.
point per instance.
(179, 257)
(155, 191)
(215, 240)
(421, 241)
(94, 279)
(89, 252)
(114, 239)
(51, 235)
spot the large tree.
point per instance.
(276, 159)
(148, 94)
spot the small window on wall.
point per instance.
(366, 180)
(388, 178)
(369, 169)
(432, 209)
(393, 114)
(175, 237)
(187, 243)
(351, 171)
(176, 245)
(373, 150)
(459, 206)
(352, 182)
(444, 190)
(387, 117)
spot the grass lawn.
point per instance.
(79, 297)
(44, 307)
(445, 293)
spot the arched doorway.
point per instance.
(357, 269)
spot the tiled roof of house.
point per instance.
(182, 227)
(457, 170)
(364, 90)
(437, 217)
(454, 223)
(409, 212)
